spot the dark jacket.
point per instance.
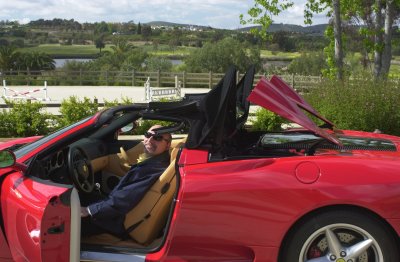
(110, 212)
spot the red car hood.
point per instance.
(278, 97)
(17, 142)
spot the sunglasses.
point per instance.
(157, 138)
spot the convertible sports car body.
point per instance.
(313, 193)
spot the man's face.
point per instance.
(154, 145)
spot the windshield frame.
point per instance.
(24, 150)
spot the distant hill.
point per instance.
(313, 29)
(170, 24)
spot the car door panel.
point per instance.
(36, 218)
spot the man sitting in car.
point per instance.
(107, 215)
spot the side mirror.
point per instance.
(7, 158)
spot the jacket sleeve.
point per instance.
(121, 201)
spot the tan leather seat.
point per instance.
(149, 216)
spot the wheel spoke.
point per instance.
(333, 243)
(356, 250)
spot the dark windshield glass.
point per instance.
(304, 140)
(287, 138)
(28, 147)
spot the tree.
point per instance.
(263, 11)
(158, 63)
(121, 46)
(377, 18)
(334, 9)
(380, 19)
(35, 61)
(146, 32)
(134, 59)
(99, 42)
(337, 32)
(261, 14)
(219, 56)
(284, 42)
(101, 28)
(8, 56)
(308, 64)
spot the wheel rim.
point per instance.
(341, 243)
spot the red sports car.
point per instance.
(313, 193)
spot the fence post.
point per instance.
(184, 79)
(133, 77)
(210, 79)
(158, 78)
(177, 87)
(29, 76)
(237, 76)
(45, 91)
(293, 80)
(147, 90)
(80, 76)
(4, 88)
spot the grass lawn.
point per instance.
(275, 55)
(180, 51)
(65, 51)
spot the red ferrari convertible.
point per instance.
(313, 193)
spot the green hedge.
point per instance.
(362, 104)
(25, 119)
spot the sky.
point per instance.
(214, 13)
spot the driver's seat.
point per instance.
(146, 220)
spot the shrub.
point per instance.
(362, 104)
(74, 109)
(25, 118)
(266, 121)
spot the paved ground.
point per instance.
(56, 94)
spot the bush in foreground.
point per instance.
(363, 104)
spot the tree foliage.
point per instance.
(308, 64)
(158, 63)
(8, 56)
(261, 14)
(219, 56)
(35, 61)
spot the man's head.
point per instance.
(156, 144)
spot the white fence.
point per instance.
(154, 93)
(10, 93)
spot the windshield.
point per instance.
(28, 147)
(304, 140)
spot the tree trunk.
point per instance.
(338, 38)
(387, 38)
(378, 39)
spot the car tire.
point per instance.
(346, 231)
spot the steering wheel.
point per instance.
(81, 170)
